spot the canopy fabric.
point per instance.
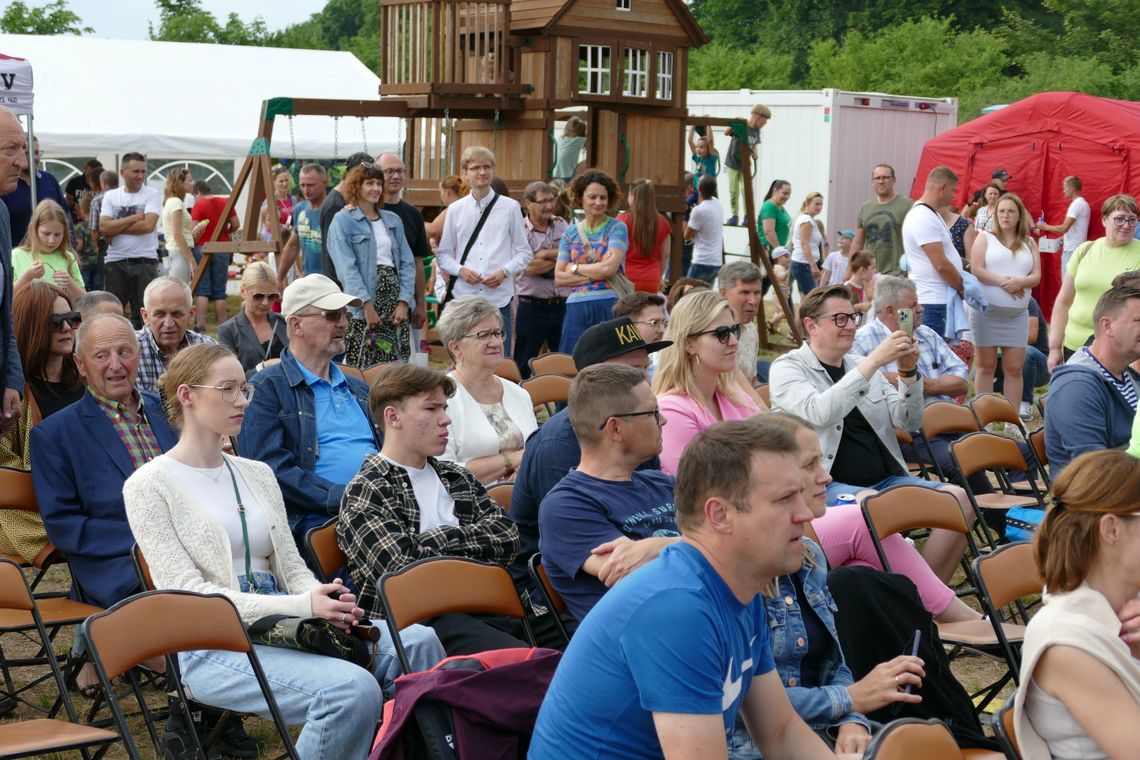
(187, 100)
(1040, 141)
(16, 85)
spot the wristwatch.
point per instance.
(574, 269)
(908, 373)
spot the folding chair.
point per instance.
(501, 494)
(1004, 578)
(161, 624)
(908, 738)
(348, 369)
(547, 389)
(553, 363)
(142, 569)
(1037, 443)
(41, 736)
(445, 585)
(944, 417)
(551, 598)
(992, 407)
(917, 467)
(978, 452)
(19, 494)
(371, 373)
(324, 551)
(508, 370)
(1005, 728)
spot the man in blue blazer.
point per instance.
(81, 457)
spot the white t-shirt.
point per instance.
(436, 505)
(836, 266)
(213, 490)
(1079, 232)
(117, 204)
(798, 254)
(707, 221)
(922, 226)
(383, 244)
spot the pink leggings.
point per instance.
(845, 540)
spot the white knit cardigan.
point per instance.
(471, 435)
(187, 550)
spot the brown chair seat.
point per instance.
(982, 754)
(1005, 501)
(44, 735)
(54, 611)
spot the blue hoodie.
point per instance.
(1086, 413)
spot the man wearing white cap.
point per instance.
(308, 421)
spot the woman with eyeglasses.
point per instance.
(695, 381)
(1080, 672)
(491, 417)
(45, 324)
(256, 334)
(1090, 272)
(373, 262)
(213, 523)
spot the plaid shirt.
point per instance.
(152, 362)
(935, 357)
(379, 524)
(135, 432)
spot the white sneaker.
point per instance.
(1026, 411)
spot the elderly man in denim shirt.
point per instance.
(308, 420)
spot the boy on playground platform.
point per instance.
(757, 118)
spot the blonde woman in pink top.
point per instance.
(695, 377)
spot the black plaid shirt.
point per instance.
(379, 522)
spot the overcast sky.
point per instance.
(127, 19)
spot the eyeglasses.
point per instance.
(655, 323)
(484, 336)
(330, 315)
(72, 319)
(841, 320)
(1123, 221)
(393, 172)
(655, 412)
(881, 179)
(480, 168)
(259, 297)
(231, 391)
(542, 201)
(722, 332)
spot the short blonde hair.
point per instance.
(474, 152)
(693, 313)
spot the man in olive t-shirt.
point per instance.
(878, 228)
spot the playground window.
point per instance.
(664, 76)
(625, 5)
(594, 69)
(636, 73)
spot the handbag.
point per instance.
(303, 634)
(620, 284)
(467, 250)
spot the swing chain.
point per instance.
(450, 150)
(292, 140)
(495, 134)
(364, 133)
(336, 138)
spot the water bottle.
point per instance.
(1040, 221)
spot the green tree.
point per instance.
(717, 66)
(188, 21)
(54, 18)
(349, 25)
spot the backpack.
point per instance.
(1021, 522)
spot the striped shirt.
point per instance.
(935, 357)
(1124, 385)
(134, 430)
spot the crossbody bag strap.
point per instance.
(470, 242)
(244, 529)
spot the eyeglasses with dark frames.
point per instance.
(1123, 221)
(722, 332)
(655, 412)
(71, 318)
(842, 319)
(231, 391)
(485, 335)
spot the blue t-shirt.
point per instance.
(307, 228)
(550, 453)
(580, 245)
(708, 164)
(669, 638)
(583, 512)
(344, 435)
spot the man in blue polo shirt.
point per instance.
(553, 450)
(308, 420)
(665, 662)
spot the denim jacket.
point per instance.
(280, 429)
(829, 703)
(353, 252)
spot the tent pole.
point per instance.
(32, 161)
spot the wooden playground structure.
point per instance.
(504, 74)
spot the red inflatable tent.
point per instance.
(1040, 141)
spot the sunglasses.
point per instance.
(272, 297)
(330, 315)
(72, 319)
(722, 332)
(655, 412)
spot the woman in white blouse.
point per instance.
(216, 524)
(491, 417)
(806, 240)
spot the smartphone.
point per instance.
(917, 632)
(906, 321)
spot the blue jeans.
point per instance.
(834, 488)
(539, 321)
(934, 317)
(581, 316)
(508, 325)
(92, 276)
(706, 272)
(803, 277)
(213, 282)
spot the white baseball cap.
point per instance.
(314, 290)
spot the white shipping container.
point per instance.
(826, 141)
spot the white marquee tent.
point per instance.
(100, 97)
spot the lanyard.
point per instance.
(244, 530)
